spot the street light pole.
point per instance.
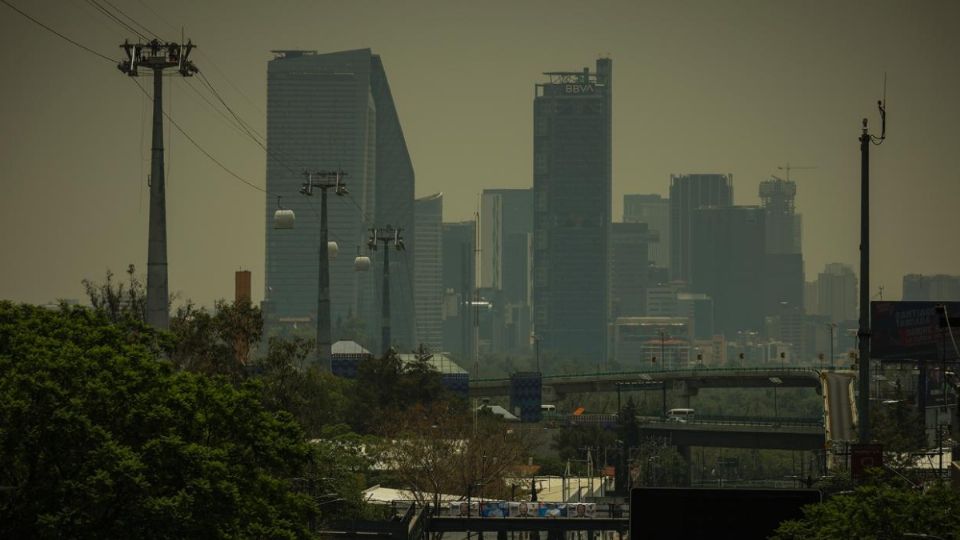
(863, 331)
(832, 326)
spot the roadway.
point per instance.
(838, 406)
(769, 434)
(688, 380)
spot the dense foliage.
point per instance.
(99, 437)
(879, 511)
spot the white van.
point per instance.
(680, 415)
(547, 408)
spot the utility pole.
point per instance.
(324, 180)
(832, 327)
(386, 235)
(157, 57)
(863, 332)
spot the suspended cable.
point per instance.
(58, 34)
(200, 148)
(116, 19)
(131, 19)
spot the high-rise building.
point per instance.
(727, 244)
(654, 210)
(506, 226)
(811, 301)
(661, 298)
(698, 309)
(628, 269)
(457, 249)
(428, 282)
(688, 193)
(782, 222)
(324, 112)
(837, 293)
(936, 288)
(572, 205)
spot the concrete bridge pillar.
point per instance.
(685, 453)
(684, 390)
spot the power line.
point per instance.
(116, 19)
(252, 133)
(131, 19)
(58, 34)
(200, 148)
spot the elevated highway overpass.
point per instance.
(835, 386)
(685, 380)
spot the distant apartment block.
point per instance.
(837, 293)
(935, 288)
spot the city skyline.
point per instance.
(794, 92)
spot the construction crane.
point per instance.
(788, 168)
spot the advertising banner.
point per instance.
(494, 509)
(911, 330)
(461, 509)
(522, 509)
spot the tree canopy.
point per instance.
(879, 511)
(100, 437)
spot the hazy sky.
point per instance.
(714, 86)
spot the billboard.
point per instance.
(522, 509)
(911, 330)
(670, 513)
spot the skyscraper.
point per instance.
(653, 210)
(837, 293)
(457, 252)
(728, 265)
(572, 190)
(628, 269)
(783, 223)
(688, 193)
(506, 217)
(330, 111)
(428, 282)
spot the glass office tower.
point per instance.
(324, 112)
(572, 190)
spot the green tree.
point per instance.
(879, 511)
(352, 328)
(102, 439)
(117, 301)
(386, 385)
(571, 442)
(217, 342)
(290, 382)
